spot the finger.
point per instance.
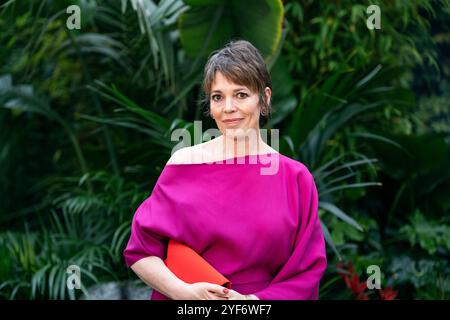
(219, 294)
(233, 295)
(216, 288)
(212, 296)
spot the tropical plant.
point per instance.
(86, 118)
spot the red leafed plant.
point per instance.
(359, 289)
(388, 294)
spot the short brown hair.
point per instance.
(240, 62)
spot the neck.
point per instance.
(242, 145)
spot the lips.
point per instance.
(232, 121)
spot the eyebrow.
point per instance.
(238, 89)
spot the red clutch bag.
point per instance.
(190, 267)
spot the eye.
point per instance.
(215, 97)
(242, 95)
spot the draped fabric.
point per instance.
(261, 230)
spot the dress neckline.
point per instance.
(228, 161)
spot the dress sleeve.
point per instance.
(299, 278)
(144, 239)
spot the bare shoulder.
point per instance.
(181, 156)
(194, 154)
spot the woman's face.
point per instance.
(232, 101)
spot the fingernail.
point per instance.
(225, 290)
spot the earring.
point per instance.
(263, 111)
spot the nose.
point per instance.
(229, 105)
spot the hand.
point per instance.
(234, 295)
(200, 291)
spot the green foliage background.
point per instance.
(86, 117)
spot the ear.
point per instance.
(268, 93)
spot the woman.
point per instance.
(258, 228)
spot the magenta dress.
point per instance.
(261, 231)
